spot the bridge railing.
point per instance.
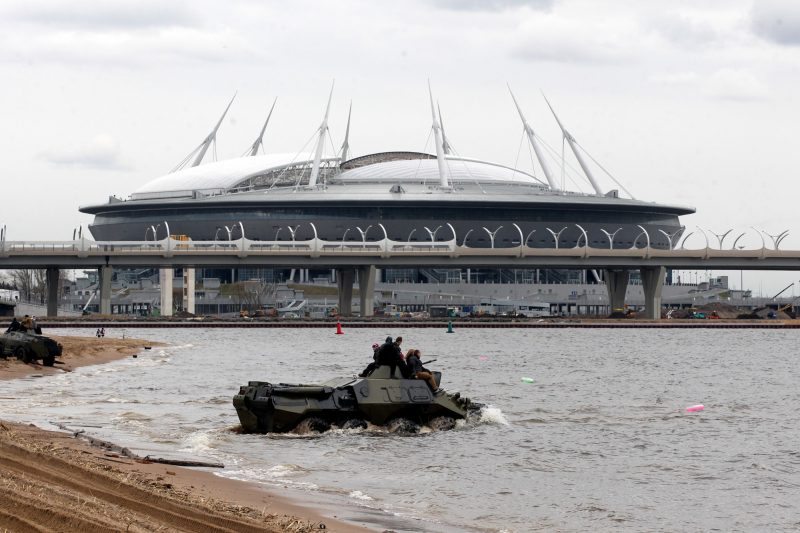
(385, 247)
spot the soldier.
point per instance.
(15, 326)
(420, 372)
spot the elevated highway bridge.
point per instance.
(365, 256)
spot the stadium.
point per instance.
(415, 196)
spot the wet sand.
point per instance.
(53, 481)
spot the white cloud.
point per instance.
(685, 30)
(492, 5)
(735, 84)
(87, 14)
(777, 21)
(565, 39)
(101, 152)
(674, 78)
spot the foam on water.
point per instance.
(492, 415)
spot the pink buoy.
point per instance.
(483, 358)
(695, 408)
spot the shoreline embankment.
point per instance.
(585, 323)
(44, 473)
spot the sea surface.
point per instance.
(597, 439)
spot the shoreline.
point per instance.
(43, 474)
(542, 323)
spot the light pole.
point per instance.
(556, 235)
(293, 230)
(464, 242)
(344, 237)
(433, 233)
(153, 229)
(491, 233)
(363, 234)
(408, 241)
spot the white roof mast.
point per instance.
(444, 182)
(211, 137)
(571, 140)
(346, 143)
(535, 144)
(323, 129)
(259, 143)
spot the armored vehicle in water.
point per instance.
(29, 347)
(347, 402)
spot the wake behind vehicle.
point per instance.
(29, 347)
(346, 402)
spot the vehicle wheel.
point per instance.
(28, 357)
(49, 360)
(19, 352)
(2, 351)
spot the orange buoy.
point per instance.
(339, 328)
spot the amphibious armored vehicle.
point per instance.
(29, 347)
(345, 402)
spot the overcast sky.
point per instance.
(686, 102)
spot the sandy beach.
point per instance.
(57, 481)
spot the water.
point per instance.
(598, 440)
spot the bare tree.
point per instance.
(251, 294)
(24, 280)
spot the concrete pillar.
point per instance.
(652, 283)
(105, 289)
(52, 291)
(344, 283)
(165, 280)
(617, 285)
(188, 290)
(366, 289)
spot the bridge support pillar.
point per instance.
(106, 272)
(188, 290)
(366, 289)
(652, 283)
(617, 286)
(344, 283)
(52, 291)
(165, 280)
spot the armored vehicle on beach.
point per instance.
(29, 347)
(346, 402)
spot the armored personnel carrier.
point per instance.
(29, 347)
(346, 402)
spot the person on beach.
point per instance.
(418, 371)
(27, 324)
(15, 326)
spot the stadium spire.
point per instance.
(571, 141)
(535, 144)
(444, 182)
(203, 148)
(259, 142)
(323, 129)
(346, 143)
